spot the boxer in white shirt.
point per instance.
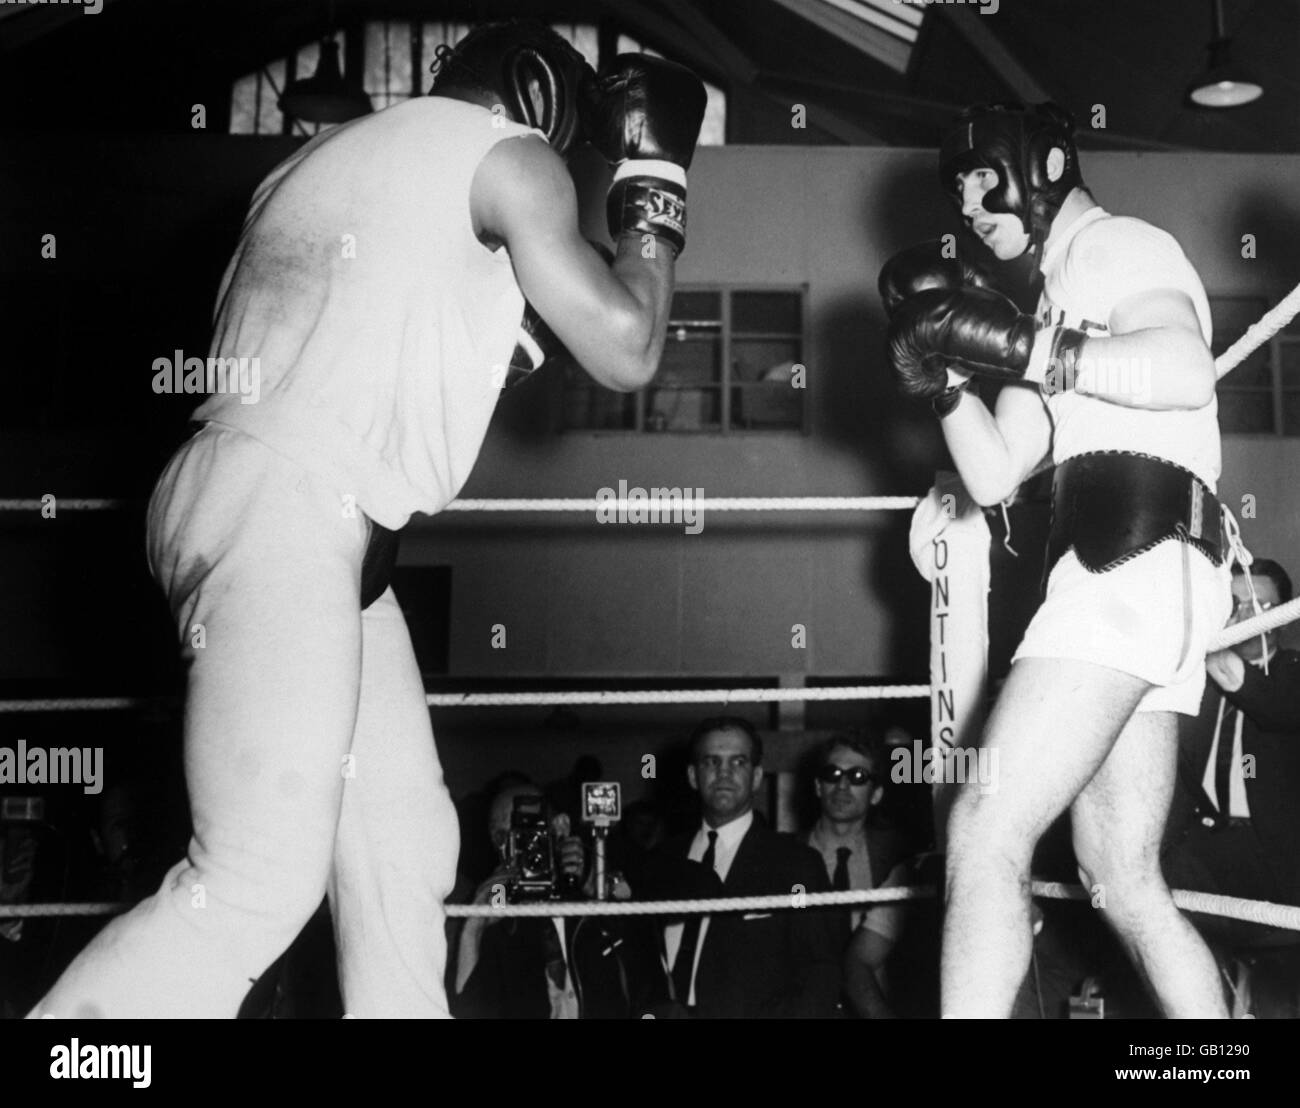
(1113, 381)
(380, 281)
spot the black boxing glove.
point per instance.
(644, 117)
(537, 344)
(976, 331)
(927, 266)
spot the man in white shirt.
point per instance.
(380, 283)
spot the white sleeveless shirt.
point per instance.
(1099, 261)
(381, 324)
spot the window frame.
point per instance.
(725, 289)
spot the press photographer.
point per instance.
(541, 860)
(542, 968)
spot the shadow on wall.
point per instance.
(898, 439)
(1275, 225)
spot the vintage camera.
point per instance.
(530, 853)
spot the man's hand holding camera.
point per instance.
(571, 857)
(570, 863)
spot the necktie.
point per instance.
(1223, 761)
(690, 937)
(553, 953)
(840, 879)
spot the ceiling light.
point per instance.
(1223, 84)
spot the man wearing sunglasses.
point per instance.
(849, 783)
(858, 851)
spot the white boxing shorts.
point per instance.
(1152, 617)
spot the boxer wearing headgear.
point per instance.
(1113, 381)
(535, 77)
(1014, 142)
(380, 280)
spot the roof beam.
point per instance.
(737, 65)
(854, 32)
(37, 22)
(832, 121)
(974, 28)
(939, 114)
(667, 34)
(933, 113)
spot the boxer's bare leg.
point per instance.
(1118, 822)
(398, 838)
(1054, 724)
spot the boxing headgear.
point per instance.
(538, 77)
(1014, 141)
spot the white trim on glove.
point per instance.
(650, 167)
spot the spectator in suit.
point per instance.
(742, 964)
(1234, 826)
(1235, 823)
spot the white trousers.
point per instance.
(309, 758)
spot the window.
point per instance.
(397, 55)
(733, 362)
(1262, 395)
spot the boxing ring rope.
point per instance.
(543, 699)
(1229, 636)
(71, 504)
(711, 504)
(1258, 333)
(579, 504)
(1283, 916)
(676, 696)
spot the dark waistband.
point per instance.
(1111, 506)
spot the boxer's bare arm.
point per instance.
(613, 321)
(996, 451)
(1154, 357)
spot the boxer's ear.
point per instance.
(1055, 164)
